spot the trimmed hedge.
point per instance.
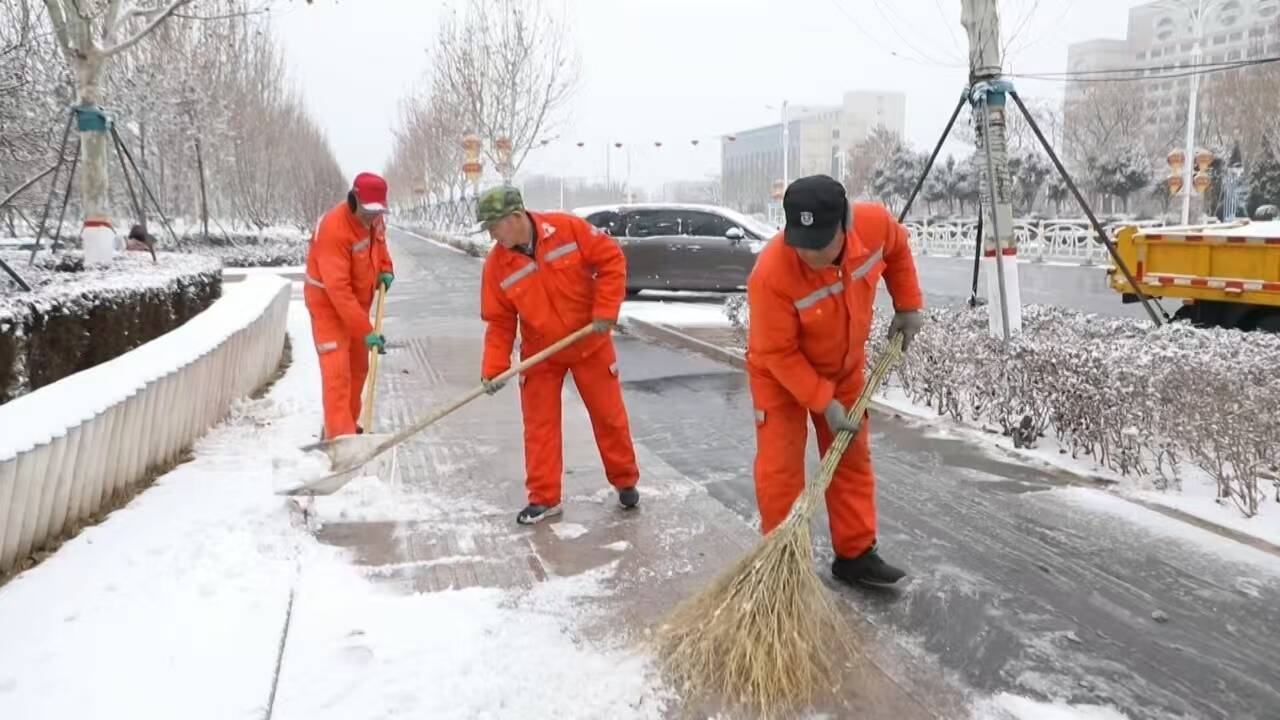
(77, 318)
(1141, 402)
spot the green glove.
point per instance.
(384, 279)
(374, 340)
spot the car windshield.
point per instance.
(750, 224)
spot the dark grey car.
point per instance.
(682, 247)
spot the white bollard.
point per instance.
(99, 244)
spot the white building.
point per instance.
(1159, 39)
(819, 139)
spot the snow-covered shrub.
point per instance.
(78, 317)
(269, 247)
(1137, 400)
(1141, 402)
(735, 307)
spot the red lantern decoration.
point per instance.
(1176, 159)
(472, 170)
(1175, 184)
(1204, 158)
(1201, 182)
(471, 144)
(778, 189)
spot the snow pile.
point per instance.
(1139, 402)
(78, 317)
(358, 651)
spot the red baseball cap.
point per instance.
(371, 192)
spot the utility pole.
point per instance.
(988, 94)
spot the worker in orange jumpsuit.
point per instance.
(810, 300)
(347, 259)
(550, 274)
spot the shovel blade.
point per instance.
(348, 451)
(346, 456)
(324, 485)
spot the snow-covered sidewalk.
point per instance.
(176, 605)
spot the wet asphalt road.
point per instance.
(949, 281)
(1018, 583)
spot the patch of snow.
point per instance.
(173, 606)
(279, 270)
(568, 531)
(620, 546)
(1006, 706)
(1103, 501)
(358, 651)
(679, 314)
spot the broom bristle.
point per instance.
(765, 636)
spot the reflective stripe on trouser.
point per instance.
(344, 363)
(597, 381)
(781, 438)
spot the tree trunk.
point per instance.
(94, 184)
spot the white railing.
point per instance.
(1038, 240)
(70, 448)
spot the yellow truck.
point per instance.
(1225, 275)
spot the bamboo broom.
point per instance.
(766, 636)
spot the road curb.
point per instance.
(671, 336)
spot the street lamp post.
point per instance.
(1198, 13)
(786, 145)
(786, 139)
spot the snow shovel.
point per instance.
(347, 454)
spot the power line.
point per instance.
(881, 45)
(1153, 68)
(1205, 71)
(885, 12)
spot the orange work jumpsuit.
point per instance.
(806, 344)
(343, 263)
(577, 274)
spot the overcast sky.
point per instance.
(676, 70)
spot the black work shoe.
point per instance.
(868, 568)
(536, 513)
(628, 498)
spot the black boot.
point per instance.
(628, 498)
(536, 513)
(868, 568)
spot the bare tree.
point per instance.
(511, 67)
(90, 33)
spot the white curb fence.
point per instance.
(69, 448)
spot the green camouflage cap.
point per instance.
(497, 203)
